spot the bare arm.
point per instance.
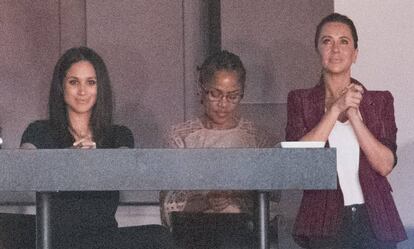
(380, 156)
(27, 146)
(322, 130)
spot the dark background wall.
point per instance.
(152, 49)
(275, 41)
(29, 47)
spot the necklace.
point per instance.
(79, 135)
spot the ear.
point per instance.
(354, 59)
(201, 94)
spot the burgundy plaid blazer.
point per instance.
(320, 213)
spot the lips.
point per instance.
(82, 101)
(335, 60)
(221, 114)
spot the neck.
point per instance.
(335, 83)
(209, 124)
(79, 124)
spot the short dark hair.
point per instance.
(101, 118)
(336, 17)
(222, 60)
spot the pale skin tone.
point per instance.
(80, 87)
(80, 91)
(342, 98)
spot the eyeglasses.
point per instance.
(215, 95)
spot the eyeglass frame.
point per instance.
(211, 98)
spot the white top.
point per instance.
(343, 138)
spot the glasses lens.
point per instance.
(234, 97)
(215, 95)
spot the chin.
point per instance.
(336, 71)
(219, 120)
(81, 110)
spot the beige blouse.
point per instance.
(193, 134)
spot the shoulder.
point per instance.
(39, 133)
(119, 136)
(186, 128)
(377, 101)
(246, 124)
(306, 100)
(121, 129)
(300, 97)
(261, 137)
(376, 96)
(379, 96)
(302, 92)
(178, 132)
(249, 127)
(39, 126)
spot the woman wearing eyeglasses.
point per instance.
(221, 81)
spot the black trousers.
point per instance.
(18, 232)
(213, 231)
(355, 233)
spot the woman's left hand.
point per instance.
(352, 113)
(354, 92)
(84, 143)
(218, 200)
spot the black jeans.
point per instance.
(213, 231)
(355, 233)
(18, 231)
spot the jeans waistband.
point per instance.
(354, 207)
(354, 212)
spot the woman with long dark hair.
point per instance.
(80, 116)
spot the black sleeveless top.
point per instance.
(79, 213)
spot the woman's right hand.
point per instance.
(350, 97)
(218, 200)
(84, 143)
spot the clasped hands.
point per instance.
(219, 200)
(215, 201)
(349, 100)
(84, 143)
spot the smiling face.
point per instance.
(225, 94)
(80, 88)
(336, 48)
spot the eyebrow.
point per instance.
(238, 90)
(74, 77)
(329, 36)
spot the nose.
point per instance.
(335, 46)
(81, 89)
(223, 101)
